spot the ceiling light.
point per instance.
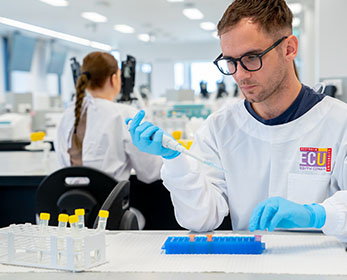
(54, 34)
(193, 13)
(208, 25)
(296, 22)
(56, 3)
(175, 1)
(95, 17)
(146, 37)
(124, 28)
(296, 8)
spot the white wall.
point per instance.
(2, 77)
(162, 78)
(332, 40)
(308, 45)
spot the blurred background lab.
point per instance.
(164, 50)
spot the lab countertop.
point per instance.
(138, 255)
(27, 163)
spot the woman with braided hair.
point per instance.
(92, 132)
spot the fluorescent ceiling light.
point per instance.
(208, 25)
(124, 28)
(54, 34)
(296, 8)
(175, 0)
(296, 22)
(193, 13)
(95, 17)
(56, 3)
(146, 37)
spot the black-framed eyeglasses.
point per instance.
(250, 62)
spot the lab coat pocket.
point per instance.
(307, 189)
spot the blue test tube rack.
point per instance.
(217, 245)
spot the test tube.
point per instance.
(73, 220)
(62, 224)
(103, 215)
(62, 221)
(80, 214)
(44, 219)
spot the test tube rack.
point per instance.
(216, 245)
(52, 247)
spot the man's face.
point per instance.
(247, 38)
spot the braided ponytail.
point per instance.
(81, 86)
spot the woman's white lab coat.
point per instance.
(107, 143)
(304, 161)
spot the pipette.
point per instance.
(170, 143)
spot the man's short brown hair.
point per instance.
(272, 16)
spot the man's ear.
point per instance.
(291, 47)
(113, 79)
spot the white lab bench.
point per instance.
(20, 174)
(129, 257)
(27, 163)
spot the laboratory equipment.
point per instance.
(75, 68)
(80, 214)
(128, 79)
(73, 221)
(203, 89)
(37, 144)
(14, 127)
(214, 245)
(170, 143)
(103, 216)
(62, 221)
(22, 244)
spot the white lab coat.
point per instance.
(262, 161)
(107, 144)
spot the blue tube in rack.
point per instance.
(214, 245)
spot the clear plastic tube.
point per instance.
(102, 222)
(62, 225)
(80, 214)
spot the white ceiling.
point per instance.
(165, 20)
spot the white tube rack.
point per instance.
(52, 247)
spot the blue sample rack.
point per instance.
(215, 245)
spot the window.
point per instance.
(204, 71)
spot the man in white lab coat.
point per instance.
(284, 147)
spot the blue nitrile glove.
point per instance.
(148, 137)
(277, 212)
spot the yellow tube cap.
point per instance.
(103, 213)
(79, 212)
(63, 218)
(73, 219)
(45, 216)
(37, 136)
